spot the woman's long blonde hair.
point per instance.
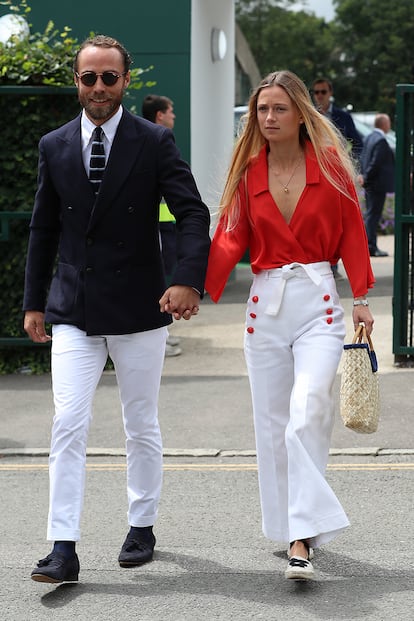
(330, 146)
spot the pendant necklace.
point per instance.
(285, 185)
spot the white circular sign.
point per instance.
(13, 25)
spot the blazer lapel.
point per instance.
(70, 153)
(126, 149)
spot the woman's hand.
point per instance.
(362, 314)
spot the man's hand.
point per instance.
(34, 324)
(180, 301)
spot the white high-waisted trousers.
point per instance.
(77, 364)
(293, 343)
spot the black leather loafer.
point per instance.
(56, 568)
(137, 549)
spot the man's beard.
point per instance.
(98, 113)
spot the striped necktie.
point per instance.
(97, 161)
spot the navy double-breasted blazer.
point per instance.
(345, 123)
(377, 164)
(96, 264)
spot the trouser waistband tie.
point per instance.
(313, 271)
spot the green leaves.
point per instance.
(366, 50)
(46, 58)
(378, 49)
(39, 59)
(284, 39)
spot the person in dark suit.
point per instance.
(377, 178)
(322, 93)
(108, 295)
(160, 109)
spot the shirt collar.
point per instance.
(109, 127)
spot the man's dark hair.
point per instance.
(153, 104)
(322, 79)
(104, 41)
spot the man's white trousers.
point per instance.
(77, 365)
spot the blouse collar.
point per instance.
(258, 171)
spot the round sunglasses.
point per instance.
(109, 78)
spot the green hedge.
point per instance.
(40, 62)
(25, 118)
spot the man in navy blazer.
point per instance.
(322, 93)
(377, 178)
(95, 272)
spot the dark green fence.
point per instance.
(403, 302)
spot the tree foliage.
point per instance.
(377, 42)
(283, 39)
(366, 50)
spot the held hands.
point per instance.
(180, 301)
(362, 314)
(34, 324)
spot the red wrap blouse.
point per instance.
(325, 226)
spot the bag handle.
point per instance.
(361, 336)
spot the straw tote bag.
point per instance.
(359, 391)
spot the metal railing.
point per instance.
(403, 301)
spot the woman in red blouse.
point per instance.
(290, 199)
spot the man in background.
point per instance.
(322, 93)
(377, 178)
(160, 110)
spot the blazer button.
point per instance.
(89, 241)
(120, 244)
(130, 209)
(88, 270)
